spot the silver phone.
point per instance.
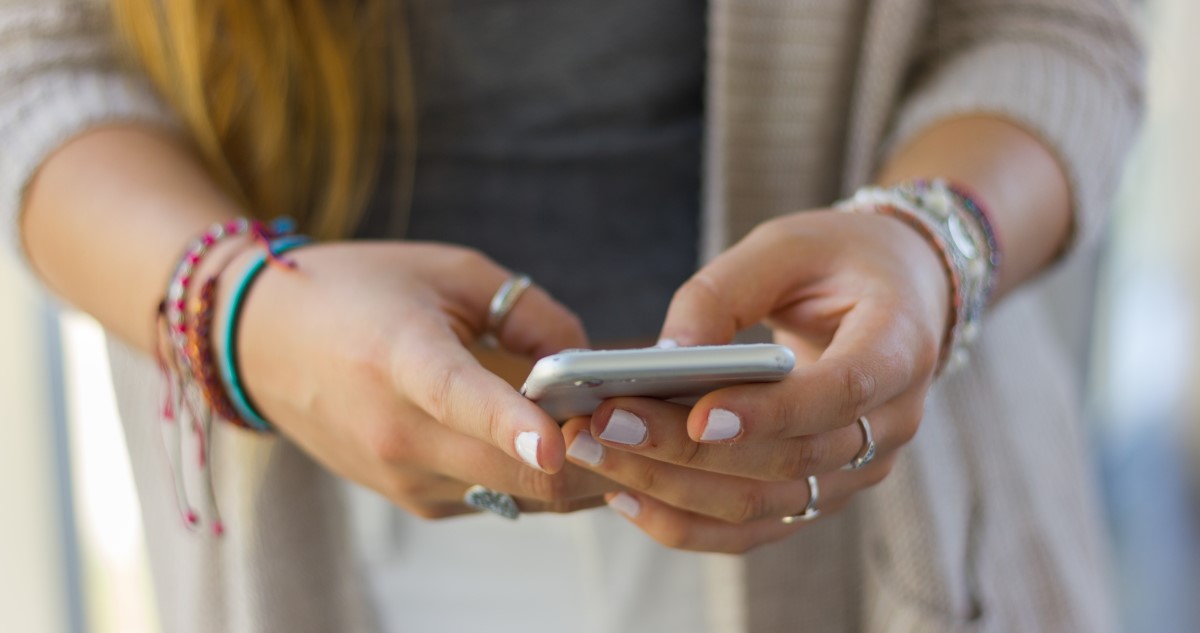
(575, 382)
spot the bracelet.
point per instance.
(203, 358)
(960, 229)
(185, 358)
(175, 305)
(229, 366)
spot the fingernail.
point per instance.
(586, 449)
(667, 343)
(722, 425)
(527, 447)
(624, 428)
(625, 504)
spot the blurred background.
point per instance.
(72, 555)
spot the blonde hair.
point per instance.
(286, 100)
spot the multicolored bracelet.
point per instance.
(960, 229)
(175, 304)
(230, 375)
(195, 394)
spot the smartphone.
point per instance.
(575, 382)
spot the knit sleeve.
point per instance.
(59, 76)
(1068, 71)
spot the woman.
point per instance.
(564, 141)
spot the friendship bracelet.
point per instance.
(230, 374)
(203, 358)
(959, 228)
(176, 299)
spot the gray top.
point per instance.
(563, 140)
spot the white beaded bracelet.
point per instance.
(959, 228)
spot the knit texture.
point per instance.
(60, 75)
(989, 521)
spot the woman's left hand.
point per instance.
(863, 301)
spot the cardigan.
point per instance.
(989, 520)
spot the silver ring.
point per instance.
(499, 503)
(810, 510)
(867, 453)
(505, 298)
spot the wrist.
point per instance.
(247, 327)
(959, 230)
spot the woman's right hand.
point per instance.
(359, 356)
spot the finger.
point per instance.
(725, 497)
(536, 326)
(658, 430)
(736, 290)
(468, 460)
(870, 362)
(539, 326)
(683, 530)
(442, 378)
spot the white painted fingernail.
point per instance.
(625, 504)
(624, 428)
(527, 447)
(586, 449)
(667, 343)
(722, 425)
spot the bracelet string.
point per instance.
(194, 394)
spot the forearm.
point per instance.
(107, 217)
(1015, 176)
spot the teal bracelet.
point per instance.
(229, 365)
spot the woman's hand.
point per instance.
(358, 355)
(863, 301)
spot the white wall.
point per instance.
(33, 596)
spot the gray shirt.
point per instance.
(563, 140)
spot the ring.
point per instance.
(500, 503)
(810, 510)
(867, 453)
(502, 303)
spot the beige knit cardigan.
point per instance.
(989, 521)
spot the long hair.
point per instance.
(285, 100)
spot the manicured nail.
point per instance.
(625, 504)
(527, 447)
(624, 428)
(586, 449)
(667, 343)
(722, 425)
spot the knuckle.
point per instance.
(859, 387)
(465, 258)
(550, 489)
(645, 477)
(389, 445)
(753, 503)
(441, 390)
(675, 534)
(688, 453)
(801, 461)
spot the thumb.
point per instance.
(738, 289)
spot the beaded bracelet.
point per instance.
(181, 280)
(185, 357)
(959, 228)
(230, 375)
